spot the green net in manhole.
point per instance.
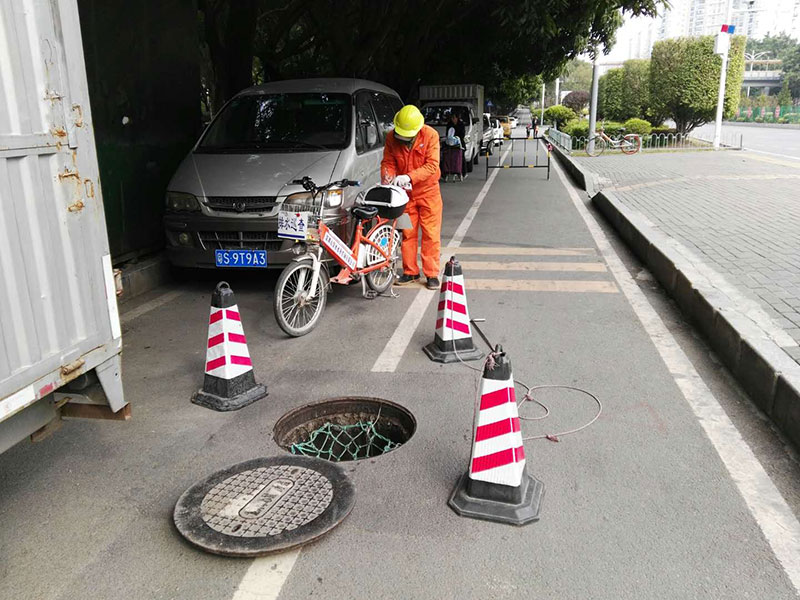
(345, 442)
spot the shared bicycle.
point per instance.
(303, 285)
(630, 143)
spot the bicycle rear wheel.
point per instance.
(596, 148)
(381, 280)
(631, 144)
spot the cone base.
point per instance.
(448, 352)
(218, 403)
(496, 502)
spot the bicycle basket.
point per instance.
(390, 200)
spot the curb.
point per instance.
(144, 275)
(584, 178)
(769, 376)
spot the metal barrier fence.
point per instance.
(524, 164)
(653, 142)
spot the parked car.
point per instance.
(227, 192)
(487, 141)
(506, 124)
(514, 121)
(466, 101)
(497, 131)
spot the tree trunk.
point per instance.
(230, 28)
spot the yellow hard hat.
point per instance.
(408, 121)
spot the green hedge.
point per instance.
(639, 126)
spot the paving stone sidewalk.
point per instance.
(737, 211)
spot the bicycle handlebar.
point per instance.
(309, 185)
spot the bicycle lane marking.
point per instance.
(396, 347)
(773, 515)
(265, 577)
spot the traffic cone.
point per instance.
(453, 336)
(497, 487)
(229, 382)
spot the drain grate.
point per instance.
(264, 505)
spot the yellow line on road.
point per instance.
(520, 251)
(542, 285)
(594, 267)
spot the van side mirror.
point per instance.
(372, 136)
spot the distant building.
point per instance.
(753, 18)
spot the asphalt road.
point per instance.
(639, 505)
(769, 140)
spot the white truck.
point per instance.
(60, 335)
(464, 99)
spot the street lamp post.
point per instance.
(593, 105)
(724, 50)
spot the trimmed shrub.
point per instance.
(577, 128)
(663, 129)
(559, 115)
(639, 126)
(612, 128)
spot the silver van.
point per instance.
(226, 194)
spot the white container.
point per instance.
(58, 310)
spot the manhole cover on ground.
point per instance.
(264, 505)
(349, 428)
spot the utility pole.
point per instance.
(723, 49)
(541, 120)
(558, 90)
(593, 105)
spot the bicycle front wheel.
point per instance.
(595, 146)
(631, 143)
(296, 310)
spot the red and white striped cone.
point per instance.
(229, 382)
(497, 486)
(453, 335)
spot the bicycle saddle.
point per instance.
(364, 212)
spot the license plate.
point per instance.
(241, 258)
(292, 225)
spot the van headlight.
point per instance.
(331, 198)
(180, 201)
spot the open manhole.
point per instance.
(350, 428)
(264, 505)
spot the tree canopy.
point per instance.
(404, 44)
(684, 80)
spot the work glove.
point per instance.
(403, 181)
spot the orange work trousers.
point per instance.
(425, 215)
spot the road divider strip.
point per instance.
(765, 502)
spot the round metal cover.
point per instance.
(264, 505)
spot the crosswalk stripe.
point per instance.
(543, 285)
(594, 267)
(520, 251)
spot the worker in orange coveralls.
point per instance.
(411, 157)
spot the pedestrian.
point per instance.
(411, 158)
(535, 122)
(460, 132)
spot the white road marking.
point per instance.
(149, 305)
(566, 267)
(772, 153)
(396, 346)
(266, 576)
(512, 251)
(773, 515)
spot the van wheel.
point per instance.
(475, 159)
(468, 166)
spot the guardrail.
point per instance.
(561, 139)
(652, 142)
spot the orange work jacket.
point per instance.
(420, 162)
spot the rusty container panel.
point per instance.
(57, 302)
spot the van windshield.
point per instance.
(440, 115)
(310, 121)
